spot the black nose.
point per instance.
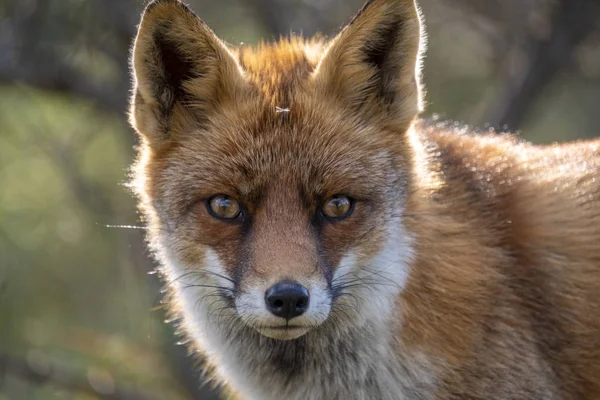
(287, 299)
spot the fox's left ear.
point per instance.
(373, 65)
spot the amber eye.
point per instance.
(338, 207)
(224, 207)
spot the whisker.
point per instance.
(122, 226)
(219, 275)
(204, 270)
(197, 285)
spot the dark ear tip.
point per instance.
(361, 11)
(157, 3)
(411, 4)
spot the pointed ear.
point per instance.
(181, 71)
(373, 65)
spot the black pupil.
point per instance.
(224, 207)
(339, 203)
(223, 203)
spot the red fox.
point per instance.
(320, 241)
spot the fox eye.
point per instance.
(224, 207)
(338, 207)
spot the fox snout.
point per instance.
(286, 309)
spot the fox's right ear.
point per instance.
(181, 72)
(373, 65)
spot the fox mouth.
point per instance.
(286, 313)
(284, 332)
(284, 327)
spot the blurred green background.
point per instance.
(80, 316)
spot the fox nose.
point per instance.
(287, 299)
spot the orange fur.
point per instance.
(468, 269)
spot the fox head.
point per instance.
(273, 178)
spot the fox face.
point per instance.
(273, 178)
(283, 223)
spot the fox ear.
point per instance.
(181, 71)
(373, 65)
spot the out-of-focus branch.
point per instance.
(34, 52)
(65, 379)
(92, 198)
(63, 78)
(571, 22)
(281, 17)
(272, 15)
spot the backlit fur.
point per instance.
(469, 268)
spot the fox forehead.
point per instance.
(246, 155)
(278, 69)
(244, 152)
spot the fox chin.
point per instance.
(318, 240)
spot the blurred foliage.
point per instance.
(78, 311)
(71, 288)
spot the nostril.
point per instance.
(278, 303)
(287, 299)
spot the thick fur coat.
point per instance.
(467, 268)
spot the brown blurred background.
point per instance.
(80, 317)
